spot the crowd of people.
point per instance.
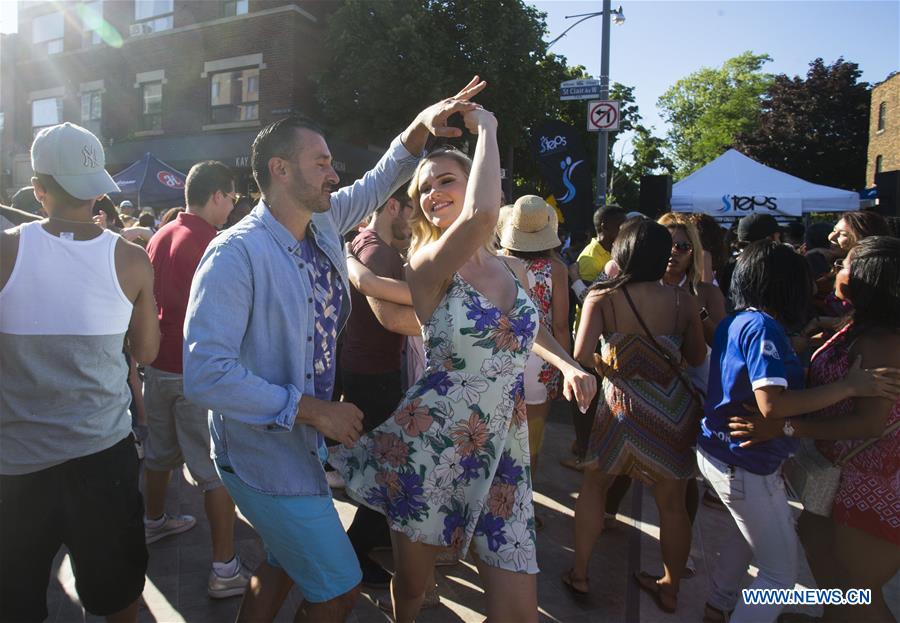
(404, 338)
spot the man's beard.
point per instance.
(316, 200)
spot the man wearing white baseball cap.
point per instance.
(73, 295)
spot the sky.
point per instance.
(663, 41)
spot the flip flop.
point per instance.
(569, 580)
(649, 584)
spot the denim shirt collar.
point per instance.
(283, 237)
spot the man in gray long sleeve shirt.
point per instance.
(266, 304)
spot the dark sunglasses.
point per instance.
(683, 247)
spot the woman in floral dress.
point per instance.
(451, 467)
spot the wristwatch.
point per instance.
(704, 314)
(788, 429)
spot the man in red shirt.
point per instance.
(371, 357)
(178, 429)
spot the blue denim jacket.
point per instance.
(249, 329)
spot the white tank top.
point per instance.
(64, 287)
(63, 376)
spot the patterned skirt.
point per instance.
(647, 420)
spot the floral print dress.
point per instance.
(451, 466)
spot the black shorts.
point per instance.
(91, 505)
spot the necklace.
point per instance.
(65, 220)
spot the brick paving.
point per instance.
(176, 578)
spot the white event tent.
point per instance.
(734, 185)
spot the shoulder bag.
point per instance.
(814, 480)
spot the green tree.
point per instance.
(816, 128)
(416, 51)
(707, 109)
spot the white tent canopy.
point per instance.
(734, 185)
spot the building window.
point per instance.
(156, 14)
(235, 95)
(46, 112)
(92, 111)
(151, 96)
(882, 113)
(879, 163)
(91, 22)
(48, 31)
(236, 7)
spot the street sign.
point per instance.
(579, 89)
(603, 116)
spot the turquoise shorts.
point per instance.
(303, 536)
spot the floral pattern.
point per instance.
(540, 281)
(451, 466)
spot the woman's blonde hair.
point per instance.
(683, 222)
(423, 232)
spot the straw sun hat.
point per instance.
(528, 225)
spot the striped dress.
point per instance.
(646, 420)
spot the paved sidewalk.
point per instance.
(176, 579)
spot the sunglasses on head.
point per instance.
(683, 247)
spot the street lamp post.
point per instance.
(603, 139)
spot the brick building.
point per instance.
(884, 128)
(186, 80)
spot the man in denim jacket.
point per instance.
(266, 304)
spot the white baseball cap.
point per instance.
(74, 158)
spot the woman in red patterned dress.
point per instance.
(859, 545)
(527, 231)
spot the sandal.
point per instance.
(650, 584)
(711, 614)
(569, 579)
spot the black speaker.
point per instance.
(656, 195)
(888, 183)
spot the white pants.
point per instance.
(763, 529)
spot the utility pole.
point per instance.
(603, 138)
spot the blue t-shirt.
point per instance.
(750, 351)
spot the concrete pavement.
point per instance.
(176, 578)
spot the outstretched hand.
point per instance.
(434, 119)
(435, 116)
(881, 382)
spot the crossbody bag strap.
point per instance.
(887, 431)
(672, 364)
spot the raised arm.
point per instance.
(351, 204)
(433, 265)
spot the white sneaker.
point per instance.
(335, 480)
(174, 524)
(220, 588)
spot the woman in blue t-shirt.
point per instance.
(754, 367)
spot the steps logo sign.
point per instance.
(739, 203)
(568, 168)
(550, 145)
(558, 150)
